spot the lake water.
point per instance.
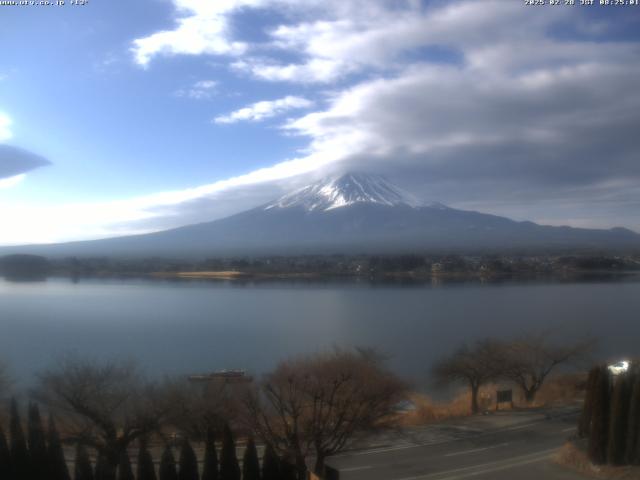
(198, 326)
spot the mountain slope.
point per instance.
(348, 214)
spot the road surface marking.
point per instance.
(383, 450)
(355, 469)
(437, 442)
(464, 452)
(568, 429)
(481, 469)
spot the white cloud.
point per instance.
(202, 28)
(56, 223)
(201, 90)
(332, 46)
(11, 181)
(5, 127)
(313, 71)
(265, 109)
(336, 38)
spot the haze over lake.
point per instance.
(182, 327)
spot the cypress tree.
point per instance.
(19, 452)
(633, 432)
(58, 469)
(210, 468)
(618, 425)
(104, 469)
(168, 465)
(636, 456)
(597, 447)
(584, 424)
(37, 444)
(125, 472)
(188, 462)
(288, 470)
(146, 470)
(5, 456)
(100, 468)
(229, 468)
(250, 462)
(83, 468)
(270, 464)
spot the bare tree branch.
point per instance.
(317, 404)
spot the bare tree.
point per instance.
(106, 406)
(475, 366)
(196, 408)
(316, 405)
(527, 361)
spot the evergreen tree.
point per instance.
(188, 462)
(229, 468)
(585, 417)
(168, 465)
(597, 446)
(210, 468)
(146, 470)
(5, 456)
(270, 464)
(104, 469)
(58, 469)
(125, 472)
(633, 432)
(288, 470)
(100, 468)
(618, 425)
(83, 468)
(19, 452)
(37, 444)
(250, 462)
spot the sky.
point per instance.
(121, 117)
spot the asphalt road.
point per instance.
(521, 452)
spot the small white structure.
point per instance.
(619, 368)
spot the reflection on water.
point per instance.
(187, 326)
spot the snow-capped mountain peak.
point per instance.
(348, 189)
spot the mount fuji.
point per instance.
(352, 213)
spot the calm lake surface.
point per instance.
(180, 327)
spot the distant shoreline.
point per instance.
(233, 275)
(410, 276)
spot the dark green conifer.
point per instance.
(188, 462)
(270, 464)
(288, 469)
(210, 468)
(125, 472)
(168, 465)
(146, 470)
(19, 453)
(633, 431)
(250, 462)
(597, 445)
(229, 468)
(58, 469)
(37, 444)
(585, 417)
(104, 469)
(5, 456)
(83, 468)
(618, 424)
